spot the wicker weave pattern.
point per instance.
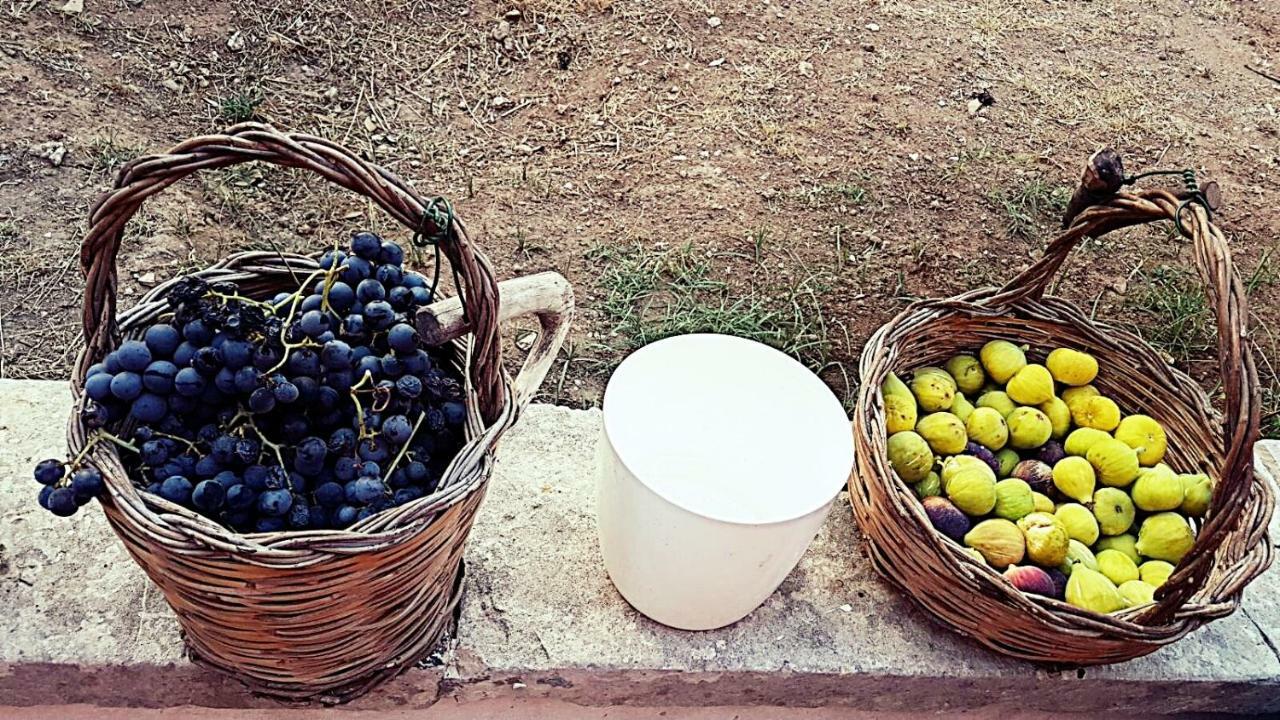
(318, 614)
(1232, 546)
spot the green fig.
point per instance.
(944, 432)
(1197, 494)
(1126, 543)
(934, 389)
(1117, 566)
(967, 372)
(1013, 499)
(1157, 488)
(1046, 538)
(1165, 536)
(1000, 542)
(1114, 511)
(910, 456)
(1091, 590)
(986, 426)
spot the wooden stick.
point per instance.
(544, 295)
(1102, 178)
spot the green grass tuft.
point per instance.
(239, 108)
(650, 295)
(1030, 205)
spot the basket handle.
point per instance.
(547, 296)
(145, 176)
(1098, 208)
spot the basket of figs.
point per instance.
(1048, 484)
(293, 447)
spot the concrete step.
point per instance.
(541, 620)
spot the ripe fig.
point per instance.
(946, 518)
(1036, 474)
(1030, 579)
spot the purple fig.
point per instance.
(1059, 579)
(945, 517)
(1050, 453)
(1036, 474)
(984, 455)
(1030, 579)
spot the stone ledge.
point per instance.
(540, 618)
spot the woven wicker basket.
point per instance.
(1231, 547)
(318, 614)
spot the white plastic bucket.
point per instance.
(719, 462)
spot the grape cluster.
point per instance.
(311, 411)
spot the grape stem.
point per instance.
(293, 311)
(99, 436)
(182, 440)
(368, 376)
(400, 456)
(274, 447)
(241, 298)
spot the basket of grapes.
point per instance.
(293, 447)
(1048, 484)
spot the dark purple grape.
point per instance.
(262, 401)
(313, 323)
(206, 361)
(149, 408)
(369, 364)
(182, 356)
(133, 356)
(403, 338)
(388, 275)
(268, 524)
(98, 387)
(246, 380)
(455, 413)
(397, 429)
(400, 297)
(87, 482)
(176, 489)
(344, 516)
(49, 472)
(416, 472)
(364, 490)
(341, 296)
(366, 245)
(304, 361)
(406, 494)
(275, 503)
(62, 502)
(336, 355)
(225, 381)
(197, 333)
(391, 253)
(188, 382)
(285, 392)
(126, 385)
(207, 467)
(237, 354)
(240, 497)
(208, 496)
(154, 452)
(356, 269)
(409, 386)
(158, 377)
(379, 315)
(421, 296)
(311, 304)
(162, 340)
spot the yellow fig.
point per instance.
(944, 432)
(1145, 435)
(1031, 385)
(1116, 463)
(910, 456)
(1047, 540)
(1155, 572)
(961, 407)
(987, 427)
(1100, 413)
(1081, 439)
(1059, 416)
(1197, 493)
(1125, 543)
(1165, 536)
(934, 389)
(1137, 593)
(973, 491)
(953, 465)
(997, 400)
(928, 487)
(1073, 396)
(1072, 367)
(1078, 554)
(1000, 542)
(967, 372)
(1074, 477)
(1041, 502)
(1113, 509)
(1157, 488)
(1008, 460)
(1028, 428)
(1117, 566)
(899, 413)
(1079, 522)
(1014, 500)
(1002, 359)
(1091, 590)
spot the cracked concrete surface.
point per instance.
(540, 618)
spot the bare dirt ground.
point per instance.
(792, 171)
